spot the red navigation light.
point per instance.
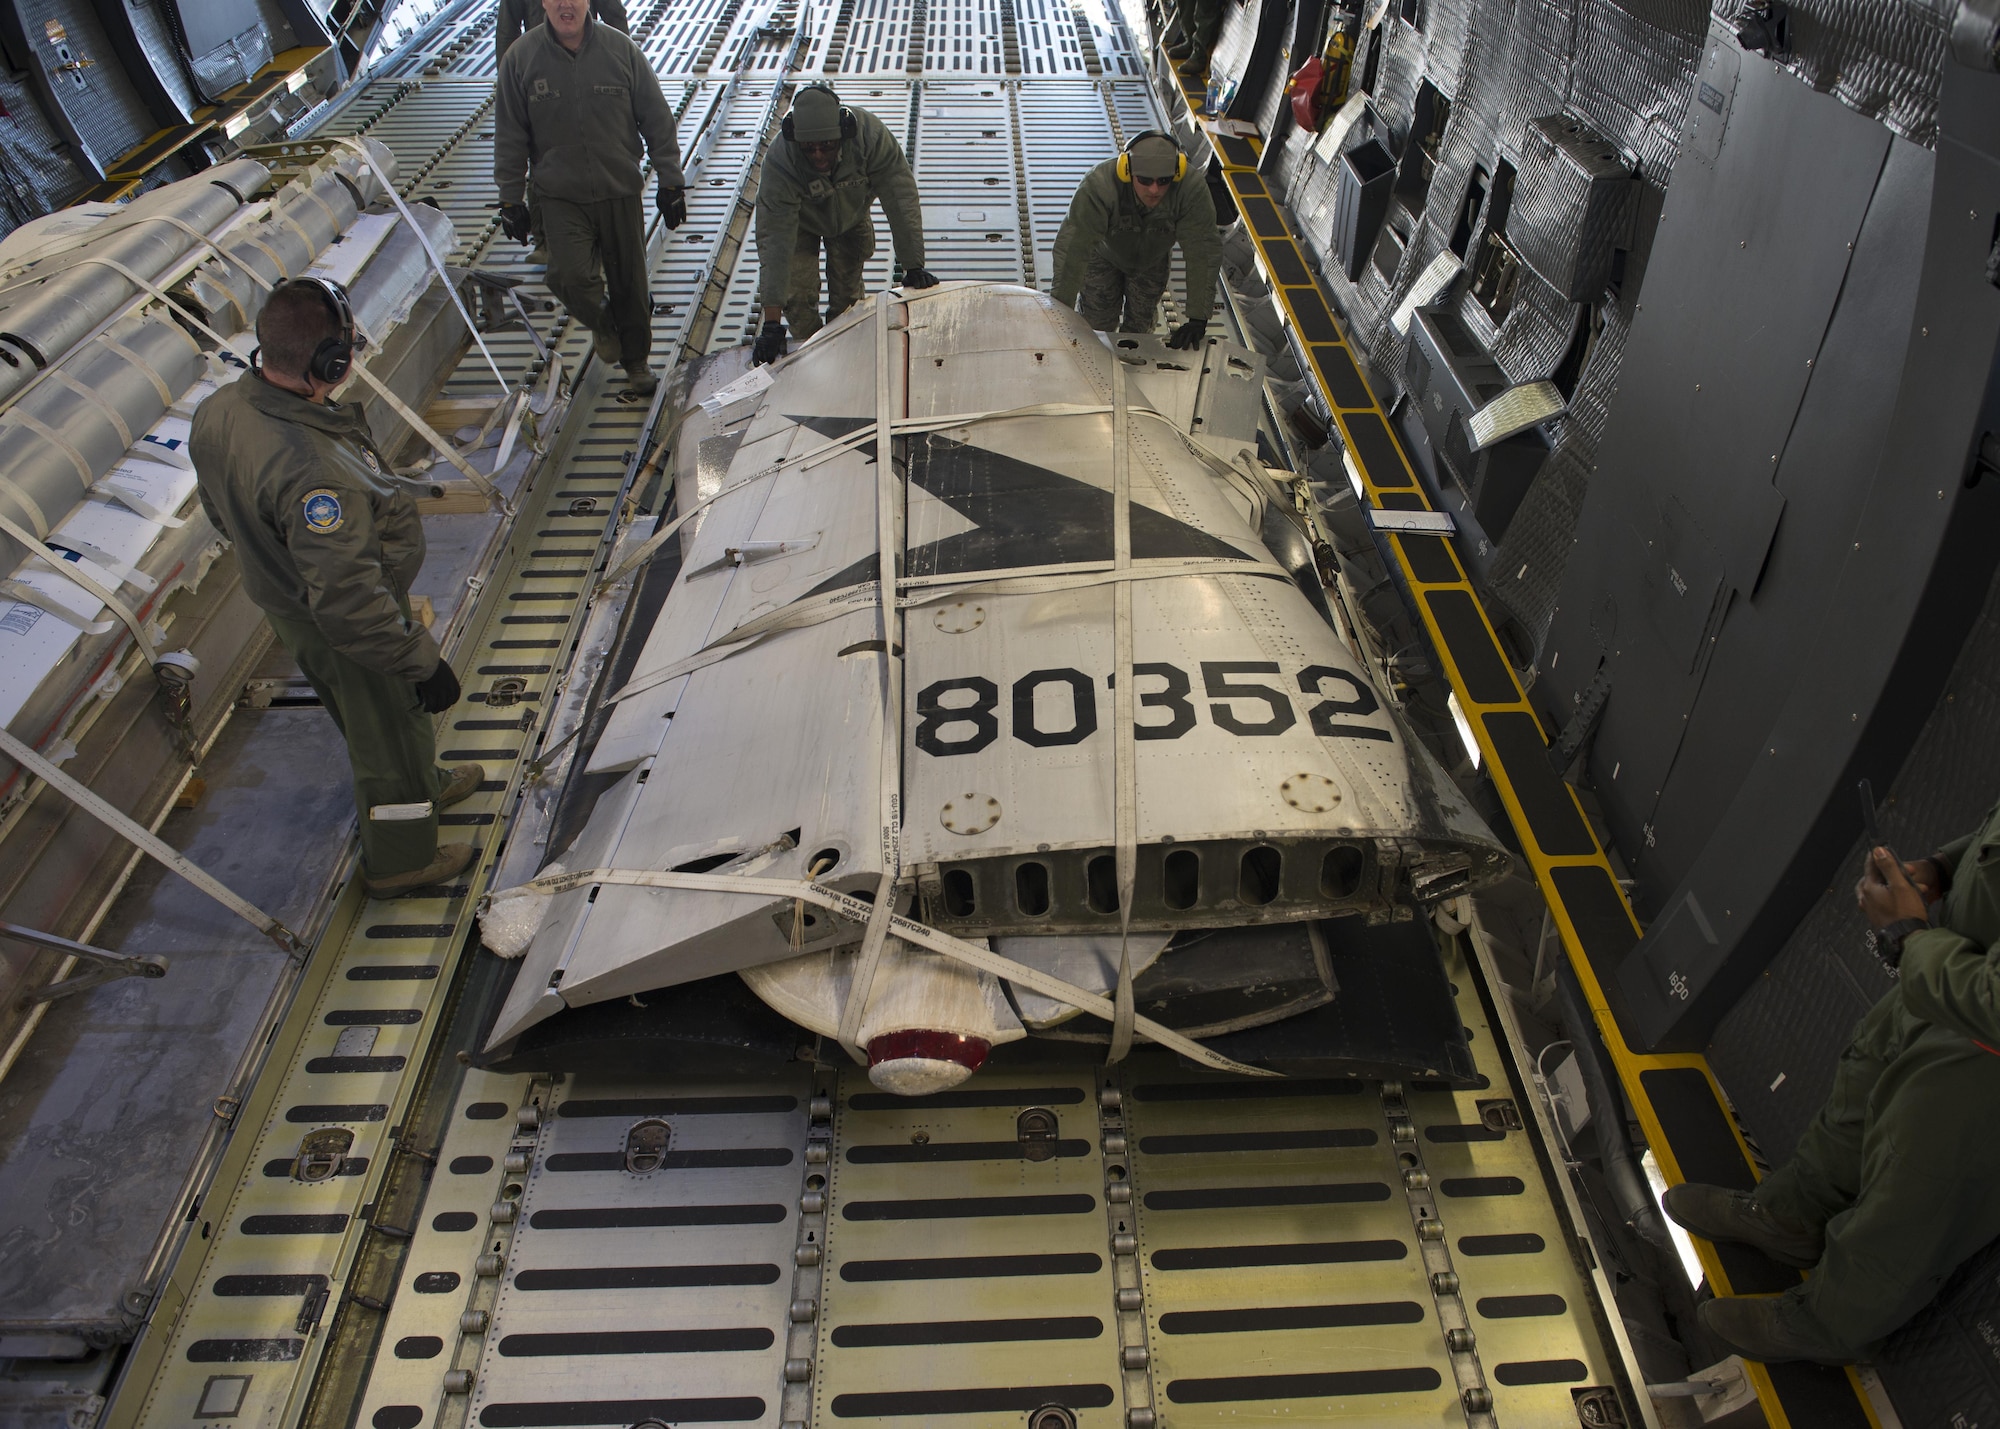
(919, 1060)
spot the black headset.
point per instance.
(1125, 157)
(333, 359)
(847, 124)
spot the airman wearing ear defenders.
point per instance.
(818, 181)
(329, 545)
(577, 98)
(1116, 246)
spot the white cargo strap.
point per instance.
(71, 571)
(889, 804)
(1125, 765)
(128, 828)
(1039, 580)
(104, 408)
(921, 935)
(832, 448)
(151, 373)
(443, 448)
(11, 589)
(437, 263)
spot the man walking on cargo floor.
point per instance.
(818, 181)
(576, 99)
(1892, 1186)
(1116, 247)
(328, 547)
(513, 20)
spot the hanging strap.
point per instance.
(125, 826)
(857, 910)
(450, 288)
(437, 443)
(1125, 767)
(888, 550)
(833, 448)
(72, 571)
(11, 589)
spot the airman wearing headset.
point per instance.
(329, 546)
(1116, 247)
(819, 179)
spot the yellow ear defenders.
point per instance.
(1125, 158)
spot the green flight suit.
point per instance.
(580, 119)
(1902, 1165)
(1116, 253)
(514, 19)
(328, 547)
(799, 208)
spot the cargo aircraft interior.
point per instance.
(1317, 746)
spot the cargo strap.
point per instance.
(1125, 768)
(443, 448)
(860, 911)
(889, 804)
(825, 451)
(437, 263)
(924, 589)
(125, 826)
(70, 570)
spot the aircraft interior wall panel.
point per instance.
(99, 101)
(1679, 522)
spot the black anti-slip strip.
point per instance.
(634, 1217)
(969, 1332)
(1377, 452)
(903, 1152)
(1234, 1257)
(1216, 1198)
(1335, 1384)
(637, 1342)
(644, 1277)
(1290, 1317)
(970, 1401)
(972, 1267)
(549, 1413)
(699, 1160)
(968, 1207)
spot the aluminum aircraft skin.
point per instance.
(1269, 782)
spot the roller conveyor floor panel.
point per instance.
(1171, 1248)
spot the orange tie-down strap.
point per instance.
(1680, 1106)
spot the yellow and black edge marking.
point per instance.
(1680, 1106)
(125, 173)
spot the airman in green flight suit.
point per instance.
(1897, 1180)
(328, 545)
(830, 163)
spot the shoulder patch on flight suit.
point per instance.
(323, 511)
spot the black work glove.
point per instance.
(514, 221)
(438, 691)
(1188, 335)
(770, 343)
(673, 206)
(919, 278)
